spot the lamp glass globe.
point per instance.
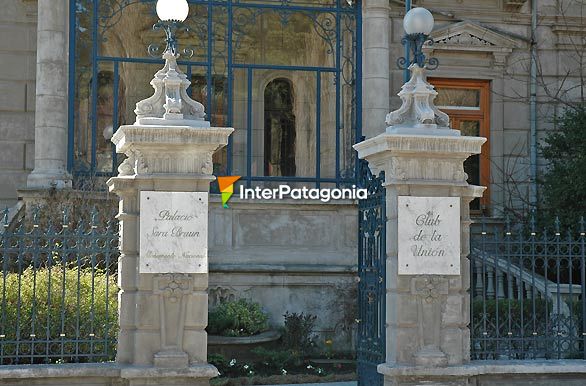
(172, 10)
(418, 21)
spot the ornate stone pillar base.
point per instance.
(192, 376)
(406, 376)
(58, 179)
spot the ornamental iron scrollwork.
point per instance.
(371, 339)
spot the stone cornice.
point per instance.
(171, 150)
(429, 146)
(169, 135)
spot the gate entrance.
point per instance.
(372, 273)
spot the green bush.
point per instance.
(60, 305)
(298, 333)
(237, 318)
(273, 362)
(564, 183)
(514, 316)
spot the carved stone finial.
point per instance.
(170, 105)
(418, 114)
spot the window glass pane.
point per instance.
(279, 38)
(458, 98)
(470, 128)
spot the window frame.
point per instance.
(482, 115)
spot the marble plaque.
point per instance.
(173, 232)
(429, 235)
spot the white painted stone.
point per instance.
(170, 104)
(429, 235)
(173, 232)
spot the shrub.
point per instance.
(298, 333)
(273, 362)
(511, 313)
(237, 318)
(61, 304)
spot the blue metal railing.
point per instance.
(58, 292)
(528, 292)
(371, 331)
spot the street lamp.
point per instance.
(172, 14)
(170, 105)
(418, 24)
(418, 114)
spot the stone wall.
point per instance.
(510, 373)
(493, 373)
(288, 256)
(18, 45)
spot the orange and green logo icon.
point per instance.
(227, 188)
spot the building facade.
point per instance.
(301, 82)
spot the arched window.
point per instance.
(279, 144)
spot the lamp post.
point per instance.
(170, 104)
(418, 114)
(172, 14)
(418, 24)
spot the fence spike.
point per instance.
(65, 217)
(95, 214)
(581, 224)
(5, 217)
(507, 223)
(557, 224)
(483, 223)
(532, 222)
(36, 211)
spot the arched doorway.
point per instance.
(279, 130)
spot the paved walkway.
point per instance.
(353, 383)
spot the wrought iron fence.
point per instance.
(370, 347)
(58, 288)
(528, 291)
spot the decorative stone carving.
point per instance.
(514, 4)
(429, 287)
(418, 111)
(126, 168)
(170, 149)
(429, 290)
(172, 290)
(474, 38)
(170, 105)
(173, 286)
(465, 38)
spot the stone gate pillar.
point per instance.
(163, 186)
(427, 205)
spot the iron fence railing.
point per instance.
(528, 292)
(58, 293)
